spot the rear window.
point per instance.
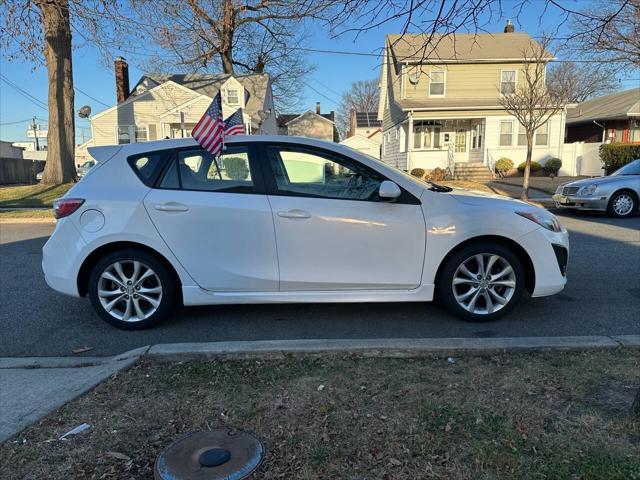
(148, 165)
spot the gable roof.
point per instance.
(461, 47)
(367, 119)
(285, 118)
(209, 84)
(614, 106)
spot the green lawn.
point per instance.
(22, 196)
(38, 213)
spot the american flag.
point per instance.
(209, 131)
(235, 124)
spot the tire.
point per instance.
(622, 204)
(135, 304)
(463, 266)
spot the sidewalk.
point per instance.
(514, 191)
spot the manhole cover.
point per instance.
(219, 454)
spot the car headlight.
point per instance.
(588, 190)
(544, 219)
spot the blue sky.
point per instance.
(334, 74)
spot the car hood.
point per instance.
(483, 199)
(595, 181)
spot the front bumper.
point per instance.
(549, 252)
(581, 203)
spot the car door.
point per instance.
(332, 230)
(214, 216)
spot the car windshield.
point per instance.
(632, 168)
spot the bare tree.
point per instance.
(47, 22)
(578, 82)
(532, 102)
(362, 97)
(608, 31)
(235, 37)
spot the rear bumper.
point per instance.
(546, 250)
(581, 203)
(59, 256)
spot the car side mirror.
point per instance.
(389, 191)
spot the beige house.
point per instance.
(169, 106)
(309, 124)
(440, 104)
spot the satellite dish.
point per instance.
(414, 77)
(84, 112)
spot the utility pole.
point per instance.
(34, 127)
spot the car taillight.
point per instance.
(63, 207)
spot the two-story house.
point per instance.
(440, 102)
(169, 106)
(309, 124)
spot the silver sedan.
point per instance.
(617, 194)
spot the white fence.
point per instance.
(581, 159)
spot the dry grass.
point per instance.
(26, 214)
(22, 196)
(526, 416)
(466, 184)
(546, 184)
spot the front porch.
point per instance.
(443, 143)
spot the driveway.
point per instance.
(602, 298)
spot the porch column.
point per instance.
(409, 141)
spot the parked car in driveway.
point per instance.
(285, 219)
(617, 194)
(84, 168)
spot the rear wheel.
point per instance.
(132, 289)
(481, 282)
(622, 204)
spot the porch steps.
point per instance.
(473, 171)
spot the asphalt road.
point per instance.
(601, 298)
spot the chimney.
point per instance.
(318, 108)
(352, 122)
(122, 79)
(509, 28)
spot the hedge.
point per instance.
(534, 167)
(616, 155)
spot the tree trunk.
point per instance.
(635, 408)
(527, 169)
(226, 40)
(60, 166)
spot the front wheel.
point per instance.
(622, 204)
(131, 289)
(481, 282)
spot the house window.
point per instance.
(506, 134)
(522, 136)
(436, 84)
(507, 82)
(141, 134)
(426, 135)
(232, 97)
(124, 135)
(542, 135)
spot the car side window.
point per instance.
(196, 169)
(148, 165)
(309, 172)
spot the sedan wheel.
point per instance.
(132, 289)
(481, 282)
(622, 204)
(484, 283)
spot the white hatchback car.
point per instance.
(286, 219)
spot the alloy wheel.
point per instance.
(484, 283)
(623, 204)
(129, 290)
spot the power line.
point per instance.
(16, 122)
(24, 93)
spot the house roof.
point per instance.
(447, 104)
(367, 119)
(210, 84)
(285, 118)
(461, 47)
(609, 107)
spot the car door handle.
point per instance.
(171, 207)
(294, 214)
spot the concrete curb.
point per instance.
(396, 348)
(69, 362)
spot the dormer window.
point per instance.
(233, 97)
(436, 84)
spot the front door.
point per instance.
(460, 145)
(332, 231)
(216, 221)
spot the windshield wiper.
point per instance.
(439, 188)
